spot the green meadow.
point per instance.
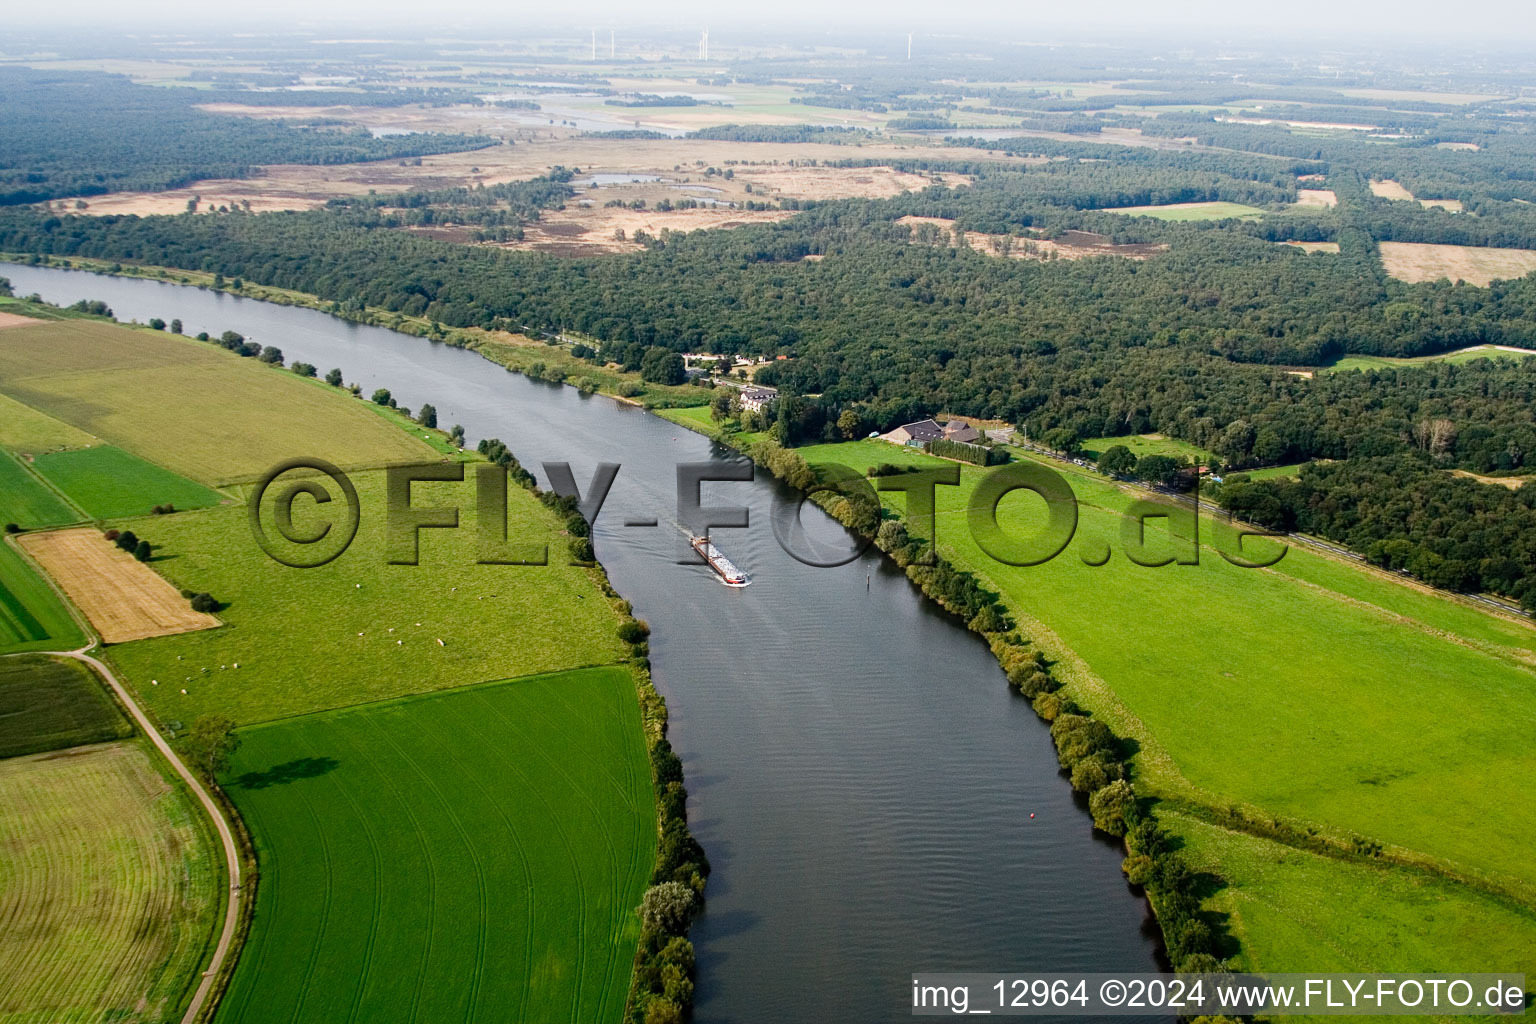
(1191, 211)
(697, 418)
(361, 629)
(1351, 916)
(24, 429)
(199, 411)
(1359, 707)
(27, 501)
(109, 483)
(1272, 472)
(1465, 355)
(466, 856)
(1145, 444)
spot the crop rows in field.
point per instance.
(108, 901)
(51, 703)
(466, 856)
(31, 615)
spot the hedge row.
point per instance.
(960, 451)
(661, 986)
(576, 525)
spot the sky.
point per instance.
(1496, 21)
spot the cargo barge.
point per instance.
(723, 567)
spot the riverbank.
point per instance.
(1266, 793)
(1089, 753)
(1235, 676)
(546, 358)
(823, 739)
(212, 549)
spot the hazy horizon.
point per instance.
(1494, 24)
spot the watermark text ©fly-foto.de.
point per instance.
(316, 487)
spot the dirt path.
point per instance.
(231, 851)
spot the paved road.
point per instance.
(231, 851)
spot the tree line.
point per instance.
(1405, 512)
(85, 133)
(897, 330)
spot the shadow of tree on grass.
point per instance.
(290, 771)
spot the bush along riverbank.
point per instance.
(662, 980)
(661, 987)
(1092, 756)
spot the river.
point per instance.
(860, 775)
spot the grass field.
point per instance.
(698, 418)
(27, 501)
(52, 703)
(1386, 188)
(122, 598)
(1190, 211)
(1272, 472)
(109, 894)
(188, 406)
(1146, 444)
(32, 617)
(1350, 916)
(359, 629)
(24, 429)
(467, 856)
(109, 483)
(1338, 715)
(1416, 262)
(1464, 355)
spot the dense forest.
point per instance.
(85, 133)
(896, 329)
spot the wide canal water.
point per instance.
(860, 775)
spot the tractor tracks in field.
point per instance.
(226, 941)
